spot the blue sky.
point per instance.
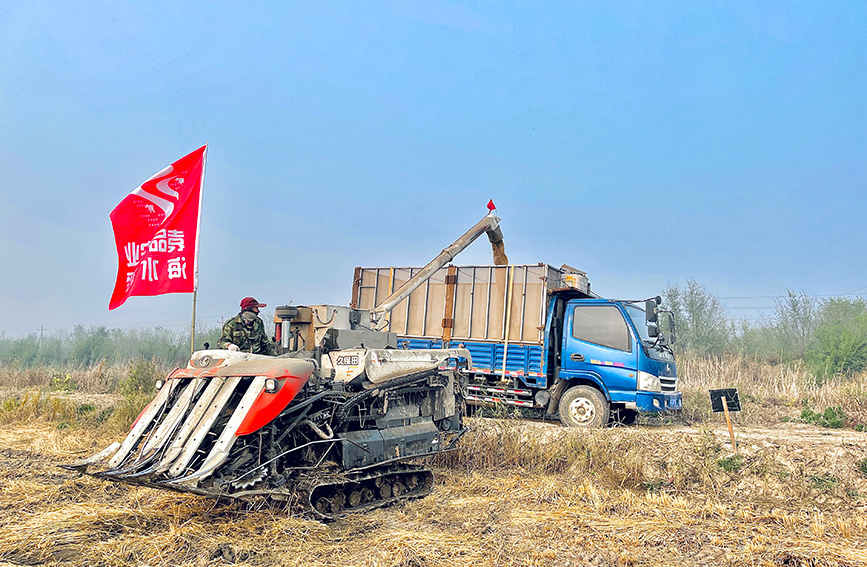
(647, 143)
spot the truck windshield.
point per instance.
(638, 319)
(656, 349)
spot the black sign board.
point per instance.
(730, 395)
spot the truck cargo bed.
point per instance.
(489, 310)
(485, 303)
(523, 361)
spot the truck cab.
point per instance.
(607, 365)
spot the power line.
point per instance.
(854, 294)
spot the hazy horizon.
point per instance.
(645, 144)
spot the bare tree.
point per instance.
(701, 324)
(796, 320)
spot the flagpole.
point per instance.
(193, 326)
(196, 254)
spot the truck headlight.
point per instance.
(272, 385)
(649, 382)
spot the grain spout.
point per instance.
(499, 250)
(498, 245)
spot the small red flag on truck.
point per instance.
(156, 231)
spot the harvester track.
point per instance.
(325, 496)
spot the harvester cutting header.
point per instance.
(329, 423)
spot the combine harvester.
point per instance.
(329, 423)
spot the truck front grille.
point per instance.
(668, 383)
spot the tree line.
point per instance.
(829, 335)
(86, 346)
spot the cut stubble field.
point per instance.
(513, 493)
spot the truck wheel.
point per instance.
(583, 406)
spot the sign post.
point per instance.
(726, 400)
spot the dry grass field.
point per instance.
(513, 493)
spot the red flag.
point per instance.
(156, 230)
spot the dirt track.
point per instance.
(788, 434)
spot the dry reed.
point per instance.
(769, 392)
(97, 379)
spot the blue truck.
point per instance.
(539, 338)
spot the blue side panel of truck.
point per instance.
(523, 361)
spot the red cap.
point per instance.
(249, 302)
(491, 205)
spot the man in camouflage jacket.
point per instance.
(246, 331)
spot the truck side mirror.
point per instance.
(651, 310)
(673, 332)
(652, 330)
